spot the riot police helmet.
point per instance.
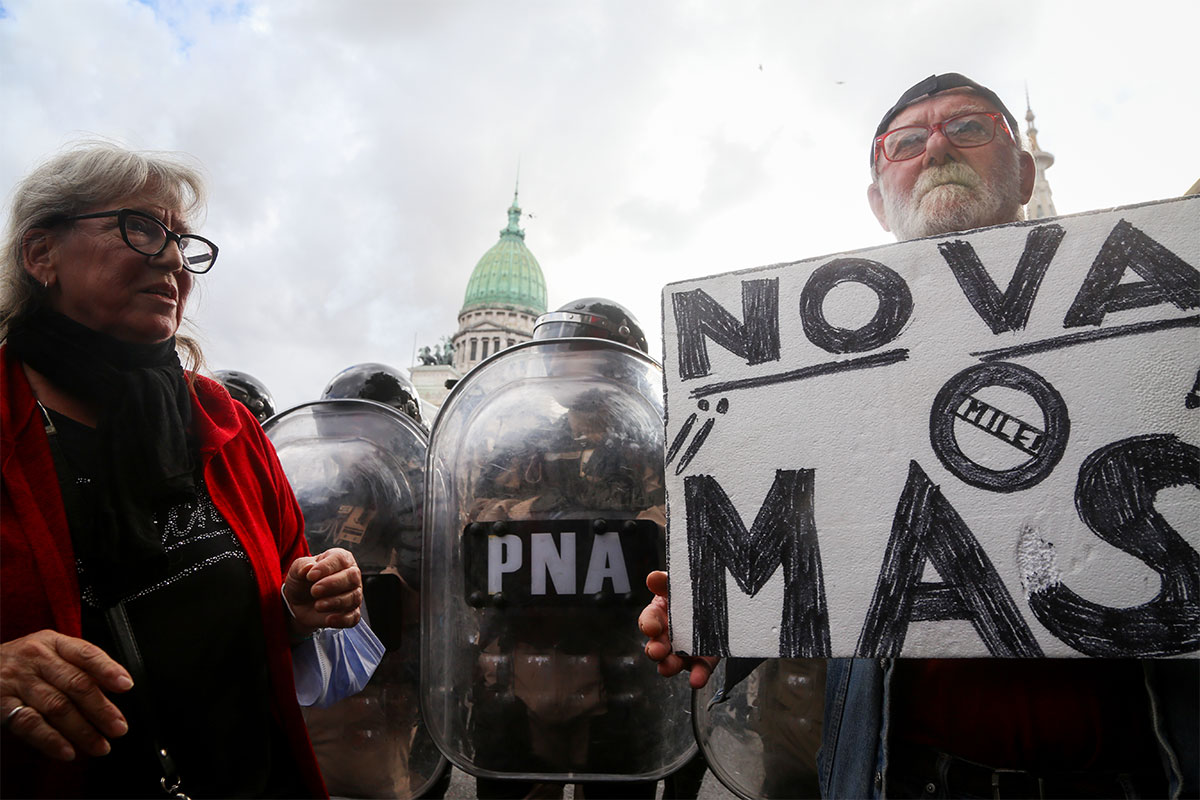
(594, 317)
(249, 391)
(378, 382)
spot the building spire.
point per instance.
(1030, 130)
(1041, 203)
(514, 211)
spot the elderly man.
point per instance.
(946, 157)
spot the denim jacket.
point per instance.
(853, 760)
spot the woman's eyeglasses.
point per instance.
(148, 236)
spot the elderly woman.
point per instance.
(155, 574)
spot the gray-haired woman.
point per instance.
(146, 527)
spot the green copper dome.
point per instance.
(508, 276)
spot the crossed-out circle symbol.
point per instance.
(1013, 376)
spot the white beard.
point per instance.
(954, 197)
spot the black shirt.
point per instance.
(198, 626)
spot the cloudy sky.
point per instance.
(362, 154)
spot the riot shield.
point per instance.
(545, 511)
(762, 741)
(357, 468)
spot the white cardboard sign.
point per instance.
(982, 444)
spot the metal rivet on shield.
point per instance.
(499, 600)
(475, 599)
(629, 526)
(599, 525)
(474, 529)
(499, 528)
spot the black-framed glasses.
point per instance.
(973, 129)
(149, 236)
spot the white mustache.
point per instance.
(951, 173)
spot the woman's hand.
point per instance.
(55, 684)
(324, 591)
(653, 624)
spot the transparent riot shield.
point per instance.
(357, 468)
(762, 741)
(545, 511)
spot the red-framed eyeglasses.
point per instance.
(973, 129)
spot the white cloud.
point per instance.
(362, 154)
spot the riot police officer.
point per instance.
(249, 391)
(600, 318)
(593, 317)
(357, 468)
(378, 382)
(552, 498)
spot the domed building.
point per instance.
(505, 295)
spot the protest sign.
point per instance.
(977, 444)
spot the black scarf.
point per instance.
(146, 454)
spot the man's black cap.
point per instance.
(940, 83)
